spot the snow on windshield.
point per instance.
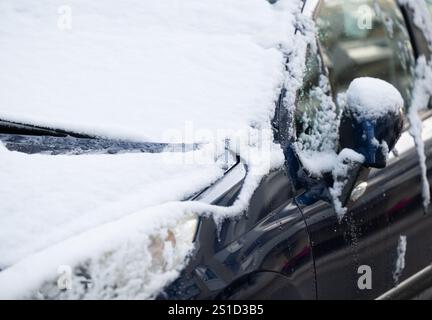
(141, 69)
(167, 70)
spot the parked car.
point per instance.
(292, 243)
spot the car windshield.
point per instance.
(147, 73)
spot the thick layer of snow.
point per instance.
(317, 162)
(370, 97)
(46, 199)
(344, 161)
(116, 255)
(153, 70)
(142, 69)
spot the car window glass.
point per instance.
(365, 38)
(355, 38)
(429, 5)
(316, 113)
(307, 103)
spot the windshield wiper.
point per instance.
(32, 139)
(75, 146)
(9, 127)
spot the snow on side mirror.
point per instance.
(372, 120)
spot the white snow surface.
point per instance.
(141, 70)
(47, 199)
(317, 149)
(115, 255)
(341, 165)
(318, 162)
(112, 239)
(422, 93)
(400, 260)
(422, 18)
(371, 97)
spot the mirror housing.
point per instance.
(372, 120)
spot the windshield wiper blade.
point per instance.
(76, 146)
(9, 127)
(34, 139)
(54, 145)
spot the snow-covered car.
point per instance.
(196, 149)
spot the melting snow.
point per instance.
(422, 18)
(343, 163)
(400, 261)
(420, 99)
(422, 89)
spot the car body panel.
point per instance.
(390, 208)
(370, 235)
(270, 239)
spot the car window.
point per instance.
(316, 113)
(429, 5)
(365, 38)
(307, 103)
(356, 39)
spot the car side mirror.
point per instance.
(372, 120)
(371, 124)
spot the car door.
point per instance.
(410, 224)
(384, 237)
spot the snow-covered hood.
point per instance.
(144, 71)
(46, 199)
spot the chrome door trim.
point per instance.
(411, 287)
